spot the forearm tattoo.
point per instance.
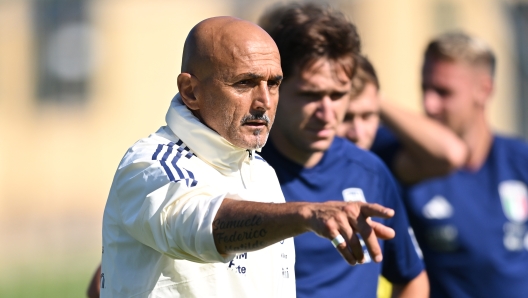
(240, 234)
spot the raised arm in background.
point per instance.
(428, 148)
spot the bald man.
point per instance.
(193, 210)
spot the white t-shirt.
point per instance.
(157, 224)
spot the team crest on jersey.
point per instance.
(437, 208)
(353, 194)
(514, 199)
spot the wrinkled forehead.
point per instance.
(249, 52)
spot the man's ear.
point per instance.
(187, 87)
(484, 89)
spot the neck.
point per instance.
(478, 138)
(307, 159)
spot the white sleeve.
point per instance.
(172, 217)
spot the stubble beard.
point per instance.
(256, 140)
(253, 142)
(260, 139)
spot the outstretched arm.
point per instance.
(241, 226)
(429, 148)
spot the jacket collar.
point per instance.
(206, 143)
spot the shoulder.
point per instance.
(385, 137)
(513, 146)
(509, 152)
(368, 172)
(358, 157)
(159, 155)
(159, 146)
(365, 170)
(261, 163)
(386, 145)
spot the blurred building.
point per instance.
(81, 80)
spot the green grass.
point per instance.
(57, 276)
(56, 286)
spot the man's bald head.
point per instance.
(216, 42)
(230, 79)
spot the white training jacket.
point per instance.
(157, 224)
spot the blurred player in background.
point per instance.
(427, 148)
(425, 141)
(319, 48)
(472, 223)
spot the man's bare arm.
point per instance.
(429, 148)
(416, 288)
(241, 226)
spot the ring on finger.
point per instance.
(338, 240)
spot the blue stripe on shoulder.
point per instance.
(178, 154)
(167, 170)
(191, 175)
(174, 161)
(260, 158)
(158, 150)
(166, 155)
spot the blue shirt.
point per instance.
(472, 226)
(345, 173)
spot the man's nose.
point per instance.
(354, 131)
(432, 102)
(325, 110)
(262, 97)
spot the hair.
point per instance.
(306, 32)
(459, 46)
(364, 75)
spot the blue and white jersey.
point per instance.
(351, 174)
(472, 226)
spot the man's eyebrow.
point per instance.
(252, 75)
(316, 90)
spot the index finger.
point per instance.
(376, 210)
(365, 228)
(370, 239)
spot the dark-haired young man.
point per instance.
(319, 48)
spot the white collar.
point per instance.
(206, 143)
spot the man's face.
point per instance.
(362, 118)
(313, 103)
(241, 94)
(451, 93)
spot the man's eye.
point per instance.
(367, 116)
(310, 96)
(273, 83)
(443, 92)
(337, 95)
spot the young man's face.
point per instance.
(312, 104)
(452, 93)
(362, 118)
